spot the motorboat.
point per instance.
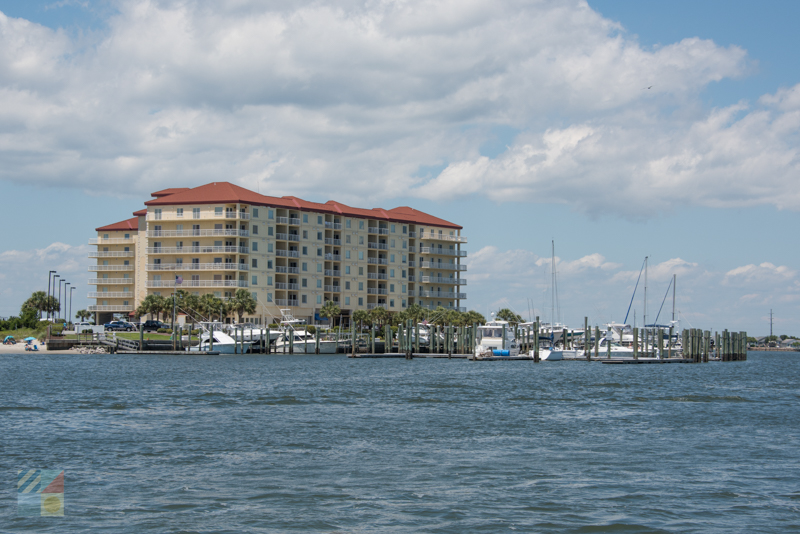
(222, 343)
(495, 339)
(300, 341)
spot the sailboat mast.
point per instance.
(674, 281)
(644, 317)
(552, 283)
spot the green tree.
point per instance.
(507, 315)
(154, 305)
(37, 301)
(416, 313)
(329, 311)
(361, 317)
(379, 316)
(209, 305)
(82, 315)
(474, 317)
(242, 302)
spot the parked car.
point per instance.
(153, 326)
(83, 323)
(120, 325)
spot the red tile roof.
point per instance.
(141, 212)
(130, 224)
(170, 191)
(228, 193)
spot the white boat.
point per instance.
(302, 342)
(223, 343)
(492, 343)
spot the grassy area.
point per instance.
(22, 333)
(123, 335)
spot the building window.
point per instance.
(391, 258)
(305, 251)
(404, 258)
(361, 240)
(391, 244)
(391, 272)
(347, 223)
(347, 239)
(391, 289)
(218, 211)
(269, 297)
(347, 255)
(347, 286)
(360, 254)
(195, 213)
(269, 247)
(391, 303)
(254, 280)
(361, 286)
(254, 246)
(270, 214)
(254, 263)
(269, 280)
(347, 301)
(360, 301)
(304, 282)
(255, 213)
(305, 266)
(255, 229)
(303, 299)
(346, 269)
(319, 299)
(305, 234)
(305, 217)
(269, 230)
(179, 212)
(319, 284)
(319, 267)
(404, 303)
(269, 264)
(319, 251)
(319, 219)
(319, 236)
(404, 243)
(360, 271)
(254, 295)
(403, 290)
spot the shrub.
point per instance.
(56, 330)
(195, 332)
(86, 331)
(311, 329)
(273, 325)
(162, 330)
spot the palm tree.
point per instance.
(153, 305)
(330, 310)
(416, 313)
(379, 316)
(37, 301)
(208, 305)
(507, 315)
(82, 315)
(242, 302)
(475, 318)
(361, 317)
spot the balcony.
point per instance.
(412, 235)
(175, 216)
(443, 252)
(287, 253)
(288, 287)
(443, 237)
(282, 269)
(287, 237)
(110, 241)
(329, 241)
(110, 281)
(333, 272)
(441, 294)
(229, 266)
(335, 226)
(111, 308)
(376, 230)
(228, 232)
(378, 261)
(95, 268)
(294, 222)
(381, 246)
(376, 291)
(377, 276)
(111, 254)
(198, 250)
(111, 294)
(287, 302)
(333, 257)
(442, 266)
(333, 289)
(371, 306)
(442, 280)
(197, 283)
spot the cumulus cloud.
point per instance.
(347, 99)
(763, 273)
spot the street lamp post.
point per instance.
(48, 292)
(70, 301)
(54, 290)
(65, 293)
(66, 310)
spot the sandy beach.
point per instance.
(19, 348)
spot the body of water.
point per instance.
(331, 444)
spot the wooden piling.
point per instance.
(596, 343)
(636, 343)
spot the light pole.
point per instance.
(66, 311)
(54, 290)
(59, 295)
(70, 301)
(48, 292)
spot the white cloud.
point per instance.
(322, 98)
(759, 274)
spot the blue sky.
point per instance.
(547, 133)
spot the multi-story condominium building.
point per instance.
(289, 253)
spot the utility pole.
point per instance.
(48, 291)
(770, 323)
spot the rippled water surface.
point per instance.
(331, 444)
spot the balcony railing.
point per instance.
(229, 266)
(377, 276)
(333, 289)
(111, 281)
(371, 306)
(441, 280)
(288, 287)
(111, 254)
(111, 308)
(335, 226)
(198, 250)
(443, 251)
(333, 272)
(282, 220)
(294, 222)
(381, 246)
(173, 216)
(333, 257)
(376, 230)
(111, 295)
(287, 237)
(443, 237)
(412, 235)
(442, 266)
(287, 253)
(329, 241)
(378, 261)
(110, 241)
(287, 302)
(441, 294)
(95, 268)
(197, 283)
(198, 233)
(282, 269)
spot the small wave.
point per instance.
(23, 408)
(708, 398)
